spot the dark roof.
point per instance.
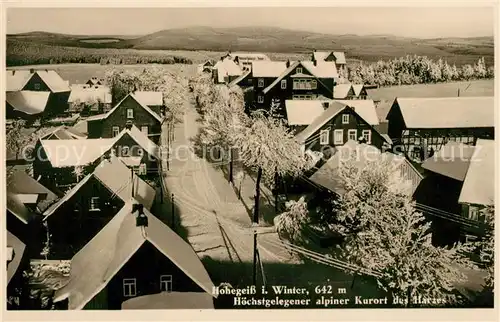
(170, 300)
(102, 258)
(452, 160)
(20, 182)
(18, 248)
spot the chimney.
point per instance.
(314, 49)
(32, 71)
(287, 63)
(326, 105)
(13, 72)
(141, 220)
(315, 62)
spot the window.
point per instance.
(130, 113)
(283, 84)
(338, 137)
(367, 135)
(129, 287)
(324, 137)
(37, 86)
(125, 151)
(261, 82)
(314, 84)
(166, 283)
(142, 169)
(144, 129)
(94, 204)
(260, 99)
(352, 135)
(116, 130)
(345, 118)
(304, 84)
(299, 70)
(473, 213)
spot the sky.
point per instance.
(419, 22)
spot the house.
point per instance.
(153, 100)
(225, 71)
(300, 80)
(170, 300)
(339, 122)
(419, 124)
(360, 91)
(95, 81)
(439, 190)
(245, 59)
(89, 99)
(17, 262)
(205, 67)
(57, 161)
(33, 93)
(26, 104)
(64, 133)
(338, 57)
(327, 176)
(85, 209)
(130, 110)
(244, 80)
(344, 92)
(26, 200)
(134, 255)
(478, 190)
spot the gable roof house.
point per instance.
(360, 91)
(134, 255)
(327, 176)
(338, 57)
(299, 80)
(17, 262)
(418, 124)
(85, 209)
(64, 133)
(334, 122)
(31, 93)
(458, 183)
(152, 99)
(130, 110)
(56, 160)
(26, 200)
(95, 81)
(343, 91)
(205, 67)
(89, 99)
(225, 71)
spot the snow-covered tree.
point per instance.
(291, 223)
(267, 146)
(384, 233)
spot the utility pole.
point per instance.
(173, 213)
(168, 146)
(255, 256)
(132, 179)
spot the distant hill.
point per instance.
(270, 39)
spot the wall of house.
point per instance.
(34, 80)
(355, 122)
(73, 224)
(289, 92)
(119, 118)
(146, 266)
(135, 151)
